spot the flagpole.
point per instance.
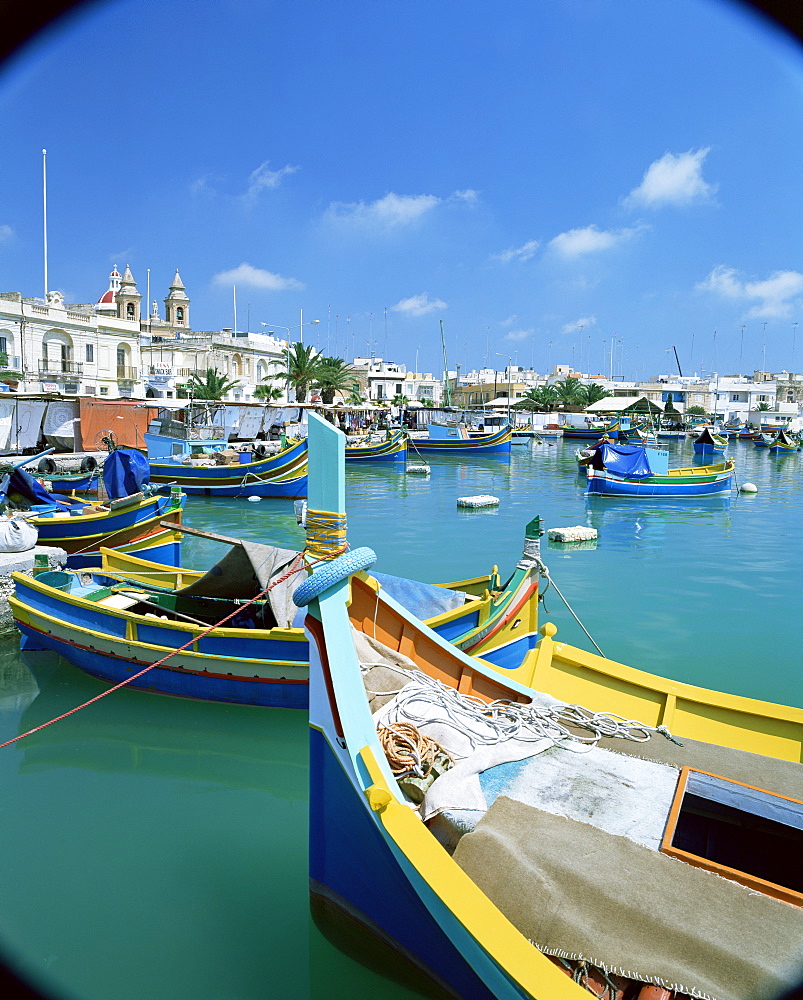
(44, 212)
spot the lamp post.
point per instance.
(509, 364)
(300, 328)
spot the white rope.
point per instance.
(486, 724)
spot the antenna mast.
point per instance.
(677, 360)
(447, 384)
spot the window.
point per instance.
(3, 345)
(104, 390)
(121, 356)
(179, 315)
(398, 388)
(90, 352)
(762, 399)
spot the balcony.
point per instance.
(126, 374)
(56, 368)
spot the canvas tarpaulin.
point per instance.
(246, 570)
(622, 459)
(125, 472)
(128, 422)
(578, 892)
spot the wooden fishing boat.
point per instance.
(86, 482)
(394, 449)
(447, 440)
(591, 433)
(747, 435)
(527, 868)
(87, 526)
(709, 443)
(630, 471)
(162, 546)
(132, 613)
(194, 455)
(783, 444)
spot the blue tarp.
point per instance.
(22, 482)
(125, 472)
(623, 459)
(424, 600)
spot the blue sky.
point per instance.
(548, 178)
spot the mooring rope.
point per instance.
(408, 750)
(295, 566)
(544, 571)
(326, 534)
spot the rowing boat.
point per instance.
(131, 613)
(394, 449)
(479, 834)
(630, 471)
(783, 444)
(444, 439)
(708, 443)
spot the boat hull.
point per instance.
(696, 484)
(392, 450)
(498, 443)
(163, 547)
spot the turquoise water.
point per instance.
(154, 847)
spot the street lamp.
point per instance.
(509, 364)
(299, 326)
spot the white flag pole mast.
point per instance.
(44, 212)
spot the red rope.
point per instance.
(293, 569)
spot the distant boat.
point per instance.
(394, 449)
(709, 443)
(783, 444)
(624, 471)
(591, 433)
(444, 439)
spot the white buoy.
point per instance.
(578, 533)
(253, 499)
(483, 500)
(420, 469)
(748, 488)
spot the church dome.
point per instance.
(108, 301)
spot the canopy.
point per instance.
(622, 459)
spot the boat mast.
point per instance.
(446, 382)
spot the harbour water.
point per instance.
(156, 847)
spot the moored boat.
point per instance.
(232, 633)
(630, 471)
(393, 449)
(783, 444)
(709, 443)
(502, 878)
(444, 439)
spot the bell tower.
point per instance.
(128, 298)
(177, 305)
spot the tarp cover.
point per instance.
(580, 892)
(31, 490)
(622, 459)
(125, 472)
(424, 600)
(245, 570)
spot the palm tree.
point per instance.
(355, 397)
(399, 400)
(541, 397)
(335, 375)
(763, 407)
(267, 392)
(299, 368)
(567, 390)
(588, 394)
(427, 404)
(213, 386)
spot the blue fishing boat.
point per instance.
(459, 813)
(783, 444)
(195, 456)
(709, 443)
(445, 439)
(233, 634)
(394, 449)
(629, 471)
(161, 546)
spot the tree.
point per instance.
(427, 404)
(299, 369)
(588, 394)
(542, 397)
(567, 390)
(212, 386)
(763, 407)
(335, 375)
(355, 397)
(669, 407)
(399, 400)
(695, 411)
(267, 392)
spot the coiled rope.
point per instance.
(488, 723)
(294, 568)
(408, 750)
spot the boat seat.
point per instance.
(124, 502)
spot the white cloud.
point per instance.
(584, 321)
(772, 297)
(263, 178)
(6, 232)
(675, 179)
(518, 334)
(577, 242)
(522, 253)
(469, 195)
(255, 277)
(390, 212)
(419, 305)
